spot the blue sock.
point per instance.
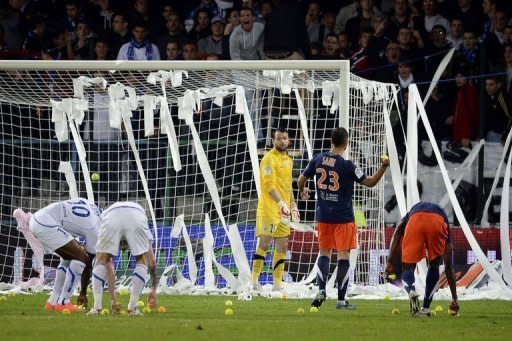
(323, 272)
(343, 265)
(408, 278)
(432, 279)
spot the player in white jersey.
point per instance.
(56, 226)
(123, 221)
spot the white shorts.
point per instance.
(50, 233)
(124, 222)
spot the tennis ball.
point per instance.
(438, 308)
(3, 298)
(387, 298)
(228, 312)
(140, 304)
(384, 158)
(284, 298)
(161, 309)
(391, 277)
(433, 312)
(146, 310)
(123, 291)
(105, 312)
(66, 311)
(313, 310)
(228, 303)
(300, 311)
(452, 312)
(123, 313)
(95, 176)
(395, 311)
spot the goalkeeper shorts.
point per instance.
(424, 230)
(278, 230)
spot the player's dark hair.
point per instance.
(279, 129)
(339, 136)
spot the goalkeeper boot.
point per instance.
(319, 299)
(69, 306)
(414, 302)
(49, 307)
(345, 305)
(423, 312)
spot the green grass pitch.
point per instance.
(202, 318)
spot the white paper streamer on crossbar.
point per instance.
(504, 225)
(208, 243)
(331, 94)
(149, 114)
(465, 166)
(283, 78)
(67, 170)
(82, 82)
(178, 229)
(303, 123)
(489, 269)
(485, 216)
(167, 127)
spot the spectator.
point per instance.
(436, 50)
(409, 43)
(190, 50)
(83, 46)
(72, 17)
(266, 8)
(498, 109)
(102, 50)
(439, 110)
(11, 21)
(362, 21)
(345, 45)
(425, 23)
(34, 40)
(214, 43)
(139, 12)
(507, 35)
(140, 48)
(174, 33)
(103, 18)
(489, 8)
(470, 48)
(405, 76)
(469, 14)
(209, 6)
(120, 35)
(345, 13)
(246, 41)
(399, 18)
(201, 25)
(313, 18)
(359, 59)
(233, 17)
(331, 47)
(455, 37)
(172, 51)
(58, 45)
(466, 112)
(285, 32)
(328, 23)
(495, 38)
(507, 67)
(378, 41)
(388, 72)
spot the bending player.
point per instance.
(335, 179)
(56, 226)
(273, 213)
(123, 221)
(424, 227)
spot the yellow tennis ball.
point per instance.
(433, 312)
(387, 298)
(391, 277)
(228, 303)
(161, 309)
(66, 311)
(284, 298)
(452, 312)
(228, 312)
(439, 309)
(300, 311)
(105, 312)
(95, 176)
(146, 310)
(384, 158)
(123, 313)
(3, 298)
(140, 304)
(395, 311)
(123, 291)
(313, 310)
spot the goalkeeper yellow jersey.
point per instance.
(275, 173)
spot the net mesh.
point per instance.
(31, 155)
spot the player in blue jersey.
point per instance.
(335, 179)
(424, 228)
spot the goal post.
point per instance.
(184, 139)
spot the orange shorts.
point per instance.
(424, 231)
(342, 237)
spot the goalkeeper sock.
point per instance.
(431, 281)
(323, 273)
(257, 264)
(98, 283)
(408, 278)
(73, 276)
(138, 282)
(278, 262)
(343, 265)
(60, 277)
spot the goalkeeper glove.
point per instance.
(284, 212)
(295, 213)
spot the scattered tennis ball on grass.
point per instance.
(228, 312)
(146, 310)
(140, 304)
(228, 303)
(300, 311)
(395, 311)
(433, 312)
(439, 309)
(313, 310)
(124, 291)
(105, 312)
(387, 298)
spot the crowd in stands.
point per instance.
(394, 41)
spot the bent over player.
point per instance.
(56, 227)
(335, 179)
(424, 227)
(123, 221)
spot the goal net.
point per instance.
(184, 140)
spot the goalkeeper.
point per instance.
(424, 227)
(275, 208)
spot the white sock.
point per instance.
(98, 283)
(138, 282)
(60, 277)
(73, 276)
